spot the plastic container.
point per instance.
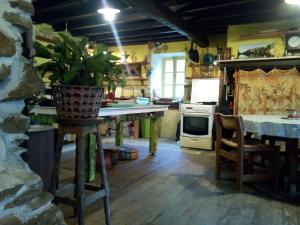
(142, 101)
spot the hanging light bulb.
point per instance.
(293, 2)
(109, 14)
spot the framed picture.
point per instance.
(258, 50)
(227, 53)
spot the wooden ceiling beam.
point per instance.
(217, 6)
(146, 39)
(124, 27)
(170, 19)
(98, 22)
(234, 15)
(248, 10)
(175, 2)
(140, 42)
(50, 6)
(260, 16)
(159, 37)
(245, 9)
(145, 32)
(85, 11)
(42, 8)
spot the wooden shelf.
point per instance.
(262, 35)
(136, 78)
(136, 63)
(136, 85)
(202, 77)
(270, 34)
(279, 62)
(141, 79)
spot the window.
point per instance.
(173, 77)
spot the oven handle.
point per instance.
(197, 114)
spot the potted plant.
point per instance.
(78, 75)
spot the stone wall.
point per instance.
(21, 198)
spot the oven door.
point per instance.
(196, 125)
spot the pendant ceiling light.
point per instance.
(109, 14)
(293, 2)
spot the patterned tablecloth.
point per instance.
(272, 125)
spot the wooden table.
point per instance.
(278, 126)
(117, 114)
(121, 113)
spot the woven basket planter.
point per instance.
(77, 102)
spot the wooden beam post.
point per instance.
(167, 17)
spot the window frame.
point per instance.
(174, 83)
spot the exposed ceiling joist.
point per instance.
(215, 6)
(44, 9)
(175, 2)
(158, 37)
(131, 36)
(161, 30)
(170, 19)
(140, 42)
(85, 13)
(237, 15)
(148, 39)
(246, 19)
(98, 22)
(138, 26)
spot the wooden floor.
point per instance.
(177, 187)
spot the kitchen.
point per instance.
(184, 112)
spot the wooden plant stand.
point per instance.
(81, 128)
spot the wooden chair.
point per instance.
(240, 150)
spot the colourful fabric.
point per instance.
(261, 93)
(128, 154)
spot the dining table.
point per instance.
(278, 127)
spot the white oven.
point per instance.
(196, 126)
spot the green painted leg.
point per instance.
(90, 157)
(119, 134)
(153, 136)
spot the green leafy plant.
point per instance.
(70, 62)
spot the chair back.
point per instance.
(229, 126)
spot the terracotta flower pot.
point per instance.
(77, 102)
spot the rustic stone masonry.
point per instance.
(22, 201)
